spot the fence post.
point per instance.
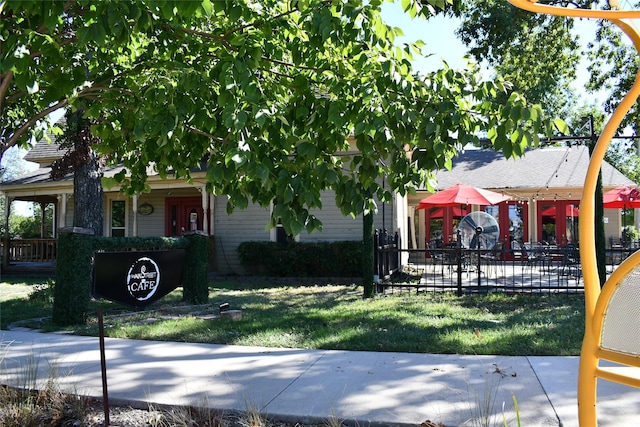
(459, 262)
(385, 252)
(376, 252)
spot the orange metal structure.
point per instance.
(612, 326)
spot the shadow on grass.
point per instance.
(336, 317)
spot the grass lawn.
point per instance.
(336, 317)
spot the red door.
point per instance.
(182, 214)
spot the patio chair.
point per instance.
(520, 253)
(494, 258)
(436, 253)
(571, 261)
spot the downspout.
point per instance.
(205, 216)
(134, 207)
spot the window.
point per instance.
(118, 218)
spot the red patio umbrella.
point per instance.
(625, 197)
(457, 212)
(461, 194)
(570, 210)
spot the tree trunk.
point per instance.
(88, 195)
(367, 255)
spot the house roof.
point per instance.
(538, 170)
(44, 153)
(47, 149)
(554, 172)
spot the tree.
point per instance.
(537, 53)
(589, 123)
(87, 168)
(614, 62)
(28, 227)
(271, 94)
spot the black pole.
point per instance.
(103, 367)
(459, 262)
(478, 233)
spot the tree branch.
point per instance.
(290, 65)
(13, 139)
(7, 78)
(206, 134)
(261, 21)
(209, 36)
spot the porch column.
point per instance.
(205, 209)
(533, 220)
(412, 227)
(5, 244)
(43, 206)
(62, 211)
(134, 208)
(212, 207)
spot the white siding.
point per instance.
(613, 225)
(153, 224)
(231, 230)
(335, 226)
(338, 227)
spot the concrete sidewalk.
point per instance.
(365, 388)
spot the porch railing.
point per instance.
(30, 250)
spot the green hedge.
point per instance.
(195, 284)
(114, 244)
(73, 278)
(318, 259)
(73, 268)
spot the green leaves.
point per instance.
(287, 101)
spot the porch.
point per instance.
(28, 257)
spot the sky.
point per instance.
(442, 44)
(437, 33)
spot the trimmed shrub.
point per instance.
(195, 286)
(114, 244)
(73, 276)
(294, 259)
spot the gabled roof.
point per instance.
(47, 150)
(44, 153)
(553, 167)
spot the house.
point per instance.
(175, 205)
(542, 183)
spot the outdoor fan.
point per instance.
(479, 227)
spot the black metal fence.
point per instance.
(386, 259)
(521, 270)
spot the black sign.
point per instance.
(136, 278)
